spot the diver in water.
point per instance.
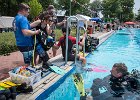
(120, 85)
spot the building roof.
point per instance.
(6, 21)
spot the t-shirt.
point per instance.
(71, 41)
(20, 22)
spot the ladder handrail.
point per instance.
(84, 40)
(77, 31)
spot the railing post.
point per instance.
(67, 34)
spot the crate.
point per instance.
(18, 79)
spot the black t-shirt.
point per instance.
(43, 38)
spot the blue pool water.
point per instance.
(123, 46)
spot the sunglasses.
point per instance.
(50, 20)
(28, 10)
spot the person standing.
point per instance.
(52, 12)
(23, 33)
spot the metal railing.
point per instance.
(84, 40)
(67, 33)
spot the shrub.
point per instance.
(7, 43)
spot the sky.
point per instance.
(136, 6)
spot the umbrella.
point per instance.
(130, 23)
(96, 19)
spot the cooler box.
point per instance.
(18, 79)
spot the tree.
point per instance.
(138, 16)
(77, 6)
(111, 8)
(121, 9)
(8, 7)
(46, 3)
(96, 7)
(36, 8)
(127, 9)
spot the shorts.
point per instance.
(40, 50)
(72, 57)
(53, 36)
(27, 52)
(28, 56)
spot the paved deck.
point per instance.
(51, 78)
(16, 59)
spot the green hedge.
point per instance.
(7, 43)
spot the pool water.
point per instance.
(123, 46)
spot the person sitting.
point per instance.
(89, 29)
(71, 42)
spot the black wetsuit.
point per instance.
(103, 84)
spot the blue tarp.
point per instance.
(96, 19)
(81, 24)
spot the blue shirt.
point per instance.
(20, 22)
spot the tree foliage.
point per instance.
(8, 7)
(138, 16)
(36, 8)
(96, 6)
(121, 9)
(46, 3)
(127, 9)
(76, 6)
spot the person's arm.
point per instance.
(35, 23)
(56, 46)
(83, 40)
(48, 29)
(28, 32)
(61, 23)
(25, 28)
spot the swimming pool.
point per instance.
(122, 46)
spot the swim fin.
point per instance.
(5, 85)
(57, 70)
(10, 83)
(79, 83)
(2, 88)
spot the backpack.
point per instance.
(45, 40)
(91, 43)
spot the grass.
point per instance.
(8, 38)
(8, 42)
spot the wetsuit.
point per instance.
(101, 90)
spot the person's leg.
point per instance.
(54, 40)
(83, 59)
(54, 51)
(35, 58)
(27, 57)
(43, 55)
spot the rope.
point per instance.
(33, 63)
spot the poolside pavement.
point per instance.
(16, 59)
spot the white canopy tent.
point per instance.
(6, 21)
(85, 19)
